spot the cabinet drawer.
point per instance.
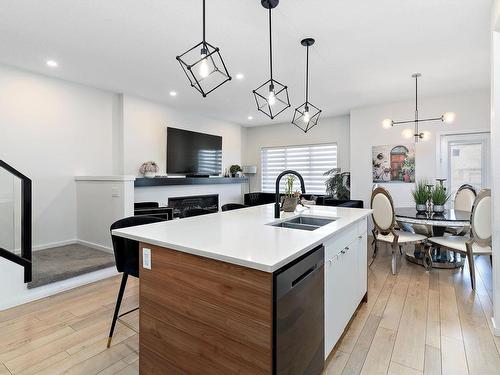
(340, 240)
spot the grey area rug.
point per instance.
(65, 262)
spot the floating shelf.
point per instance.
(169, 181)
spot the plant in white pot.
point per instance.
(291, 199)
(149, 169)
(439, 198)
(421, 195)
(234, 169)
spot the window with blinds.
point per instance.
(311, 161)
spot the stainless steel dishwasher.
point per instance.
(299, 316)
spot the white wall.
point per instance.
(473, 113)
(52, 130)
(495, 157)
(102, 200)
(328, 130)
(145, 133)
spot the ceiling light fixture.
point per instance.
(306, 116)
(204, 66)
(52, 63)
(271, 97)
(173, 93)
(250, 117)
(446, 117)
(240, 76)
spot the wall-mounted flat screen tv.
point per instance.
(193, 153)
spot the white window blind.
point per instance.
(311, 161)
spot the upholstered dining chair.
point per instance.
(464, 200)
(384, 225)
(479, 240)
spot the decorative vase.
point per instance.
(421, 207)
(290, 204)
(438, 208)
(150, 174)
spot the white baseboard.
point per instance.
(496, 328)
(54, 244)
(95, 246)
(58, 287)
(68, 242)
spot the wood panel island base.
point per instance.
(238, 293)
(203, 316)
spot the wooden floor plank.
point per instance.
(480, 349)
(336, 363)
(433, 332)
(453, 357)
(379, 356)
(398, 369)
(432, 365)
(409, 348)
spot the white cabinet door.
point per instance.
(335, 309)
(345, 280)
(362, 252)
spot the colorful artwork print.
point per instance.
(393, 163)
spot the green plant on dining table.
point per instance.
(439, 196)
(420, 193)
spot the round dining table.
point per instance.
(435, 225)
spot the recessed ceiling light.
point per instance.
(240, 76)
(250, 117)
(52, 63)
(173, 93)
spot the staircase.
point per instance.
(18, 247)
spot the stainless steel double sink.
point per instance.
(303, 222)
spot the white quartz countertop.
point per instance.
(242, 236)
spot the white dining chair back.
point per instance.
(481, 218)
(464, 199)
(383, 210)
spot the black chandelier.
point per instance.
(272, 96)
(306, 116)
(204, 66)
(446, 117)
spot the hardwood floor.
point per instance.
(421, 323)
(414, 323)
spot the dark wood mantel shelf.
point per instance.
(167, 181)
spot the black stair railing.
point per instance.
(24, 259)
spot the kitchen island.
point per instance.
(209, 289)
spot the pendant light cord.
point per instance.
(416, 130)
(270, 46)
(204, 23)
(307, 75)
(416, 98)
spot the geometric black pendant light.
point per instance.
(306, 116)
(272, 96)
(204, 66)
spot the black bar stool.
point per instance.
(233, 206)
(127, 259)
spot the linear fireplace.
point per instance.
(181, 204)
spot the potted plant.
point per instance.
(291, 199)
(233, 169)
(338, 184)
(420, 195)
(149, 169)
(439, 198)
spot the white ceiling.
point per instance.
(364, 54)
